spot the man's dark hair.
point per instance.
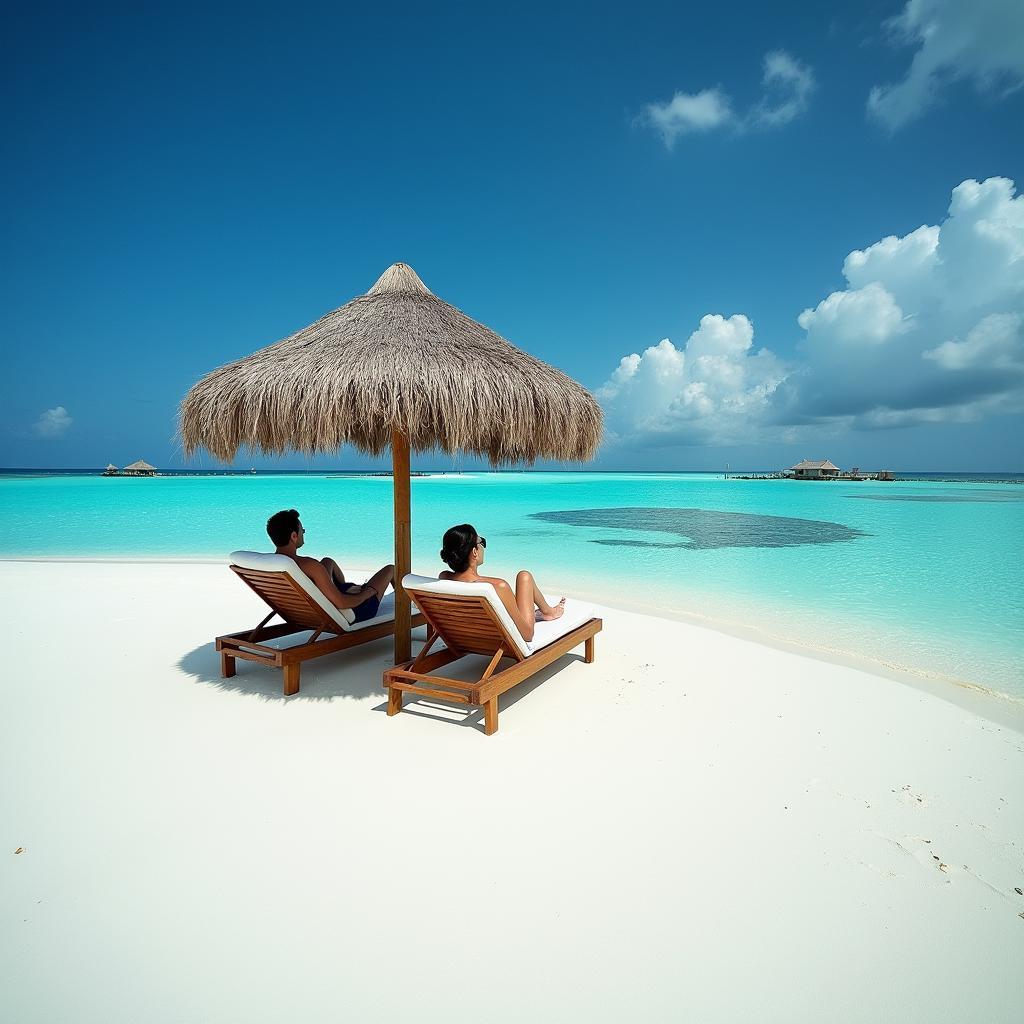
(281, 525)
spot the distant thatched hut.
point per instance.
(140, 468)
(111, 470)
(811, 470)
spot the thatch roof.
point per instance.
(811, 464)
(140, 466)
(400, 358)
(111, 466)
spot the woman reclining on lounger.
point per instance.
(463, 550)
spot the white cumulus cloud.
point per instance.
(981, 42)
(869, 314)
(787, 84)
(929, 330)
(711, 391)
(52, 423)
(685, 114)
(931, 326)
(997, 341)
(906, 263)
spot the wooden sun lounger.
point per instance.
(469, 625)
(300, 613)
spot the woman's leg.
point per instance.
(528, 597)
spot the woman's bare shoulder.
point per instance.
(445, 574)
(495, 582)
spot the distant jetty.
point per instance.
(138, 468)
(355, 476)
(826, 470)
(819, 470)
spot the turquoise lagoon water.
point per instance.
(921, 574)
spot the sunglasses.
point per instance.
(481, 542)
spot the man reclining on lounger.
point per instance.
(285, 530)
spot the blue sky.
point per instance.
(183, 186)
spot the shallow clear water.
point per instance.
(920, 574)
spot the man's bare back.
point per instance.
(288, 534)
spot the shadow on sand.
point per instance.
(357, 674)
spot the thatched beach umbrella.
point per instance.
(400, 368)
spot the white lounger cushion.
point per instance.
(544, 633)
(273, 562)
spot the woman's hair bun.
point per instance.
(457, 545)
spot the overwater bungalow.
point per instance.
(811, 470)
(111, 470)
(140, 468)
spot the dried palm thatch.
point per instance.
(395, 359)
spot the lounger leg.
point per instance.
(491, 716)
(291, 679)
(227, 665)
(394, 700)
(588, 650)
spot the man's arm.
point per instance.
(322, 578)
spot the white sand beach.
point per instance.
(695, 827)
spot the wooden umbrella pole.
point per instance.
(403, 545)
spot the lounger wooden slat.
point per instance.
(300, 613)
(428, 691)
(469, 625)
(286, 597)
(405, 676)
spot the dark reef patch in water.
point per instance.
(988, 498)
(703, 529)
